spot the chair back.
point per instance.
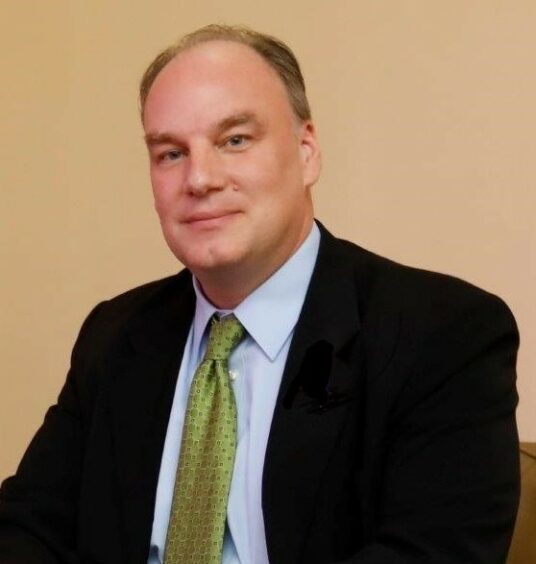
(523, 548)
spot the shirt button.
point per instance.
(233, 375)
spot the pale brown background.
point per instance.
(426, 112)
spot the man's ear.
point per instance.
(310, 151)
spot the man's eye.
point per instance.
(172, 155)
(236, 140)
(167, 156)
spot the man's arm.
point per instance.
(19, 547)
(450, 485)
(38, 506)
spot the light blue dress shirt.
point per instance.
(269, 316)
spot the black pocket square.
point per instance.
(311, 388)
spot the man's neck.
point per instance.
(225, 290)
(228, 287)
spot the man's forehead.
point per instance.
(211, 82)
(224, 61)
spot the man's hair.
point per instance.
(276, 53)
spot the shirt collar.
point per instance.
(270, 313)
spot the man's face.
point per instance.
(231, 166)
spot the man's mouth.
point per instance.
(209, 219)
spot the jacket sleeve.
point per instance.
(449, 485)
(38, 505)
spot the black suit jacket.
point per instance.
(393, 438)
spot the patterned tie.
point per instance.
(199, 506)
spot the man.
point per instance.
(371, 406)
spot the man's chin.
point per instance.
(211, 263)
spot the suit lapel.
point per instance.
(318, 382)
(144, 379)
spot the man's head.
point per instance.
(231, 164)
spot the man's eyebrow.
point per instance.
(236, 120)
(159, 139)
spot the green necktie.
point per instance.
(199, 506)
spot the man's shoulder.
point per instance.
(143, 307)
(393, 286)
(428, 318)
(150, 293)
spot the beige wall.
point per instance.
(426, 115)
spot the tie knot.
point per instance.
(224, 336)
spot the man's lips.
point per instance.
(208, 218)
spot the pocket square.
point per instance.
(310, 388)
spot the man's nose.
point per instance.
(204, 171)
